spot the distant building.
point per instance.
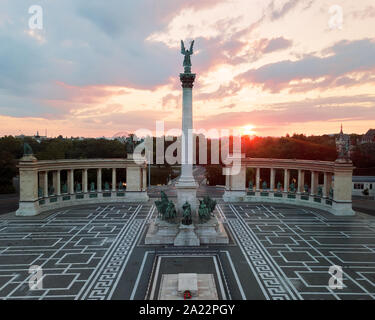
(369, 137)
(361, 183)
(36, 137)
(39, 138)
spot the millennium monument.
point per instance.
(186, 225)
(186, 185)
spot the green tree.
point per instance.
(8, 170)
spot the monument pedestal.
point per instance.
(161, 232)
(212, 232)
(186, 236)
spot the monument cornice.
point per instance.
(291, 164)
(64, 164)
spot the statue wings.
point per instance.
(191, 47)
(183, 50)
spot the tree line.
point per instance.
(288, 147)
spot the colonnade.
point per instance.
(38, 194)
(333, 194)
(327, 184)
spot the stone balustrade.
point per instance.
(38, 193)
(334, 194)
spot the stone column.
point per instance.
(71, 181)
(99, 180)
(144, 187)
(58, 182)
(187, 80)
(314, 182)
(84, 180)
(257, 180)
(45, 187)
(301, 179)
(286, 179)
(227, 182)
(325, 185)
(113, 179)
(272, 179)
(186, 186)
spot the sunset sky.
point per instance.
(269, 67)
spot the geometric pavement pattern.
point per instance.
(290, 250)
(83, 251)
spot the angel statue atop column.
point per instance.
(187, 54)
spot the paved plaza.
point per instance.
(275, 252)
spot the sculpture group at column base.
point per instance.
(163, 233)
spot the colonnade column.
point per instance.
(325, 185)
(114, 179)
(71, 181)
(314, 182)
(99, 180)
(84, 180)
(45, 187)
(257, 179)
(58, 182)
(286, 179)
(272, 179)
